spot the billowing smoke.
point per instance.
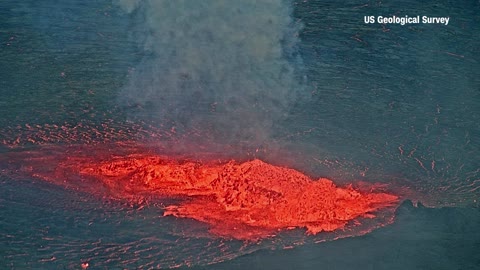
(224, 69)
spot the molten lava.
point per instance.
(247, 200)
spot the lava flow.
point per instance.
(249, 200)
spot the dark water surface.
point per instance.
(393, 104)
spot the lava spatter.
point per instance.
(249, 200)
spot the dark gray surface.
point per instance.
(420, 238)
(391, 104)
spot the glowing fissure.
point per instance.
(248, 200)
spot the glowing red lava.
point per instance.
(249, 200)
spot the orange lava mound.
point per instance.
(247, 200)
